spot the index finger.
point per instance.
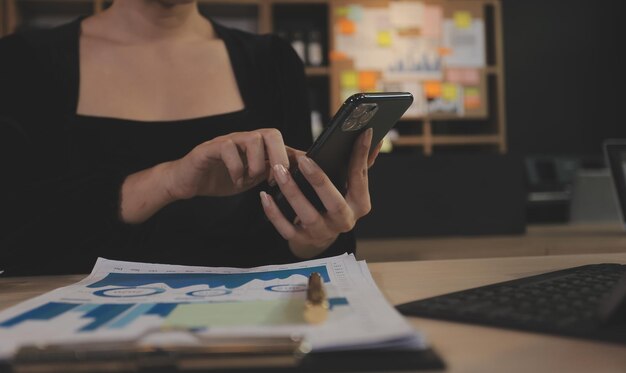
(275, 147)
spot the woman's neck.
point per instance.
(152, 20)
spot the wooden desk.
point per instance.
(465, 348)
(539, 240)
(468, 348)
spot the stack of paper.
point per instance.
(123, 300)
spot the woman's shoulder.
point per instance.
(265, 47)
(43, 45)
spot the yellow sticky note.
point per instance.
(367, 80)
(449, 92)
(462, 19)
(384, 38)
(472, 91)
(342, 11)
(346, 27)
(349, 79)
(432, 89)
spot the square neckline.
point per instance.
(237, 72)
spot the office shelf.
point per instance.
(287, 16)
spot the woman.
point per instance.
(148, 132)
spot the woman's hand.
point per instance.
(313, 231)
(228, 164)
(223, 166)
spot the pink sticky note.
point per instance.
(432, 22)
(463, 76)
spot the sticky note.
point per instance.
(433, 20)
(367, 80)
(349, 79)
(462, 19)
(257, 313)
(346, 27)
(449, 92)
(471, 98)
(432, 89)
(384, 38)
(443, 51)
(342, 11)
(338, 56)
(463, 76)
(355, 13)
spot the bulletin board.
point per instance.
(435, 49)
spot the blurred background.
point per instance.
(513, 102)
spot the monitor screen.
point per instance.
(616, 157)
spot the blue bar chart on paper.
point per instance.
(231, 299)
(122, 300)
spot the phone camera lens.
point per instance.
(359, 117)
(350, 124)
(360, 110)
(368, 115)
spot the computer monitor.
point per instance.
(593, 199)
(615, 151)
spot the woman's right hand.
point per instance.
(223, 166)
(227, 165)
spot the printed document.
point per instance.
(121, 301)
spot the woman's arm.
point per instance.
(224, 166)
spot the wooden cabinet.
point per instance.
(482, 129)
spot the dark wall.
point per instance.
(564, 75)
(445, 195)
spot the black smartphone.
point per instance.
(333, 148)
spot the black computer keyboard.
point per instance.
(587, 302)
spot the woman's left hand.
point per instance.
(314, 232)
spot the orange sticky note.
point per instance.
(367, 80)
(471, 98)
(432, 89)
(338, 56)
(444, 51)
(346, 26)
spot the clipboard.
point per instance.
(211, 354)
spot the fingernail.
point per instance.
(265, 199)
(281, 173)
(307, 164)
(367, 139)
(239, 182)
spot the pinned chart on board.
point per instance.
(120, 301)
(438, 46)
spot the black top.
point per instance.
(62, 172)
